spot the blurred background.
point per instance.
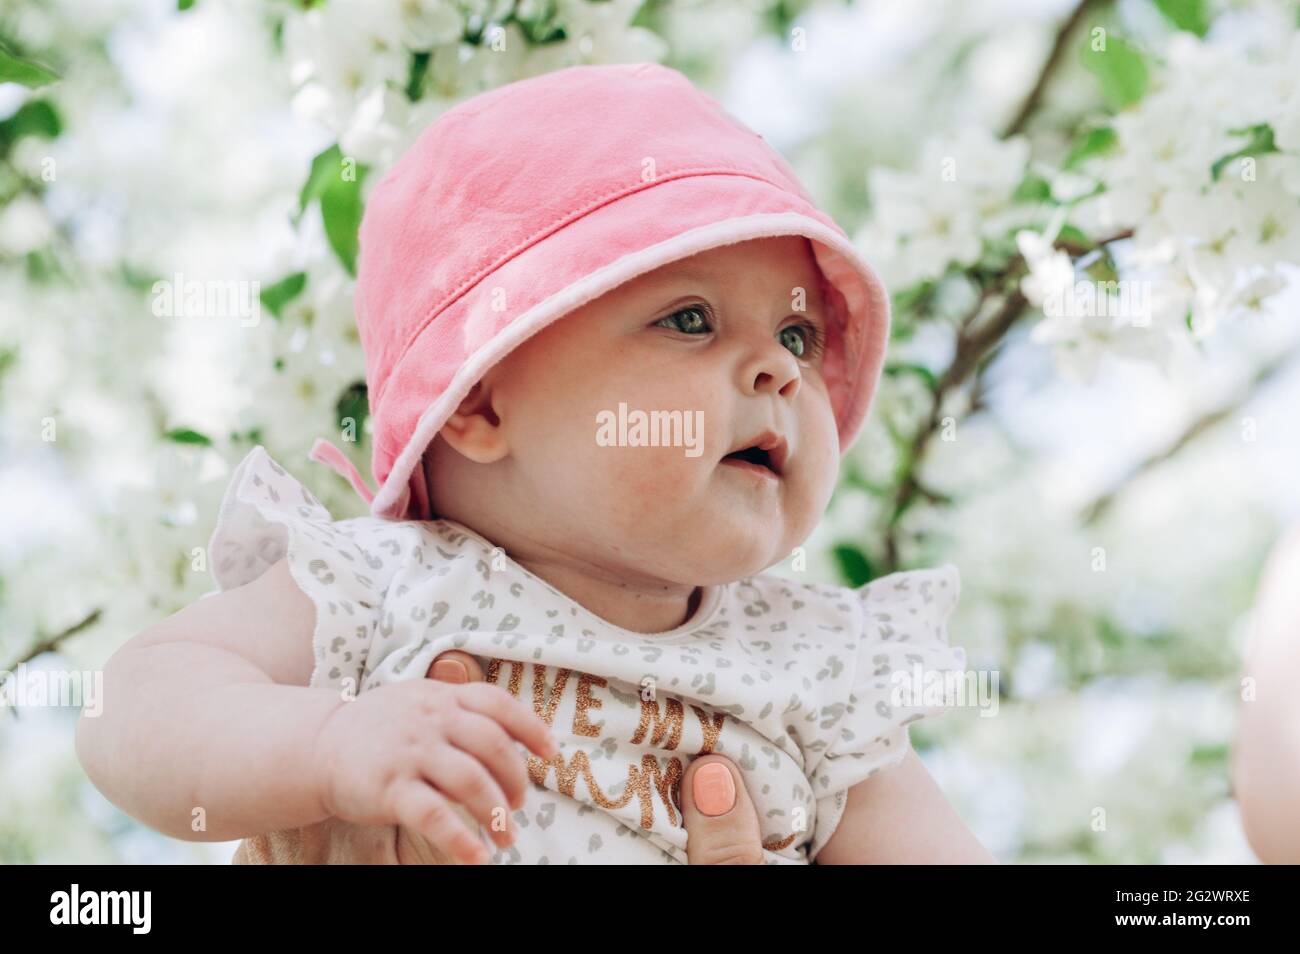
(1108, 479)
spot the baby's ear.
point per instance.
(474, 430)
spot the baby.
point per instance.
(614, 354)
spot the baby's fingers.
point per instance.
(486, 741)
(462, 778)
(512, 715)
(418, 806)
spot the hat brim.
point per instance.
(593, 254)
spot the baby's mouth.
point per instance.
(764, 455)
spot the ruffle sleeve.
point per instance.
(904, 636)
(343, 566)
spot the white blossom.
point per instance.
(939, 213)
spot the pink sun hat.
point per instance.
(521, 204)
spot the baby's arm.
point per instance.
(211, 709)
(1265, 760)
(900, 816)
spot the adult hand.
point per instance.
(720, 819)
(721, 822)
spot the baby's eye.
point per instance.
(695, 321)
(804, 340)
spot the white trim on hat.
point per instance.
(392, 498)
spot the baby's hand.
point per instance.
(407, 753)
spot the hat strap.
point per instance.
(326, 453)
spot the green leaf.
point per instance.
(1094, 142)
(541, 27)
(780, 16)
(901, 329)
(1189, 15)
(354, 403)
(42, 266)
(1110, 635)
(136, 279)
(251, 436)
(1074, 235)
(184, 435)
(340, 205)
(853, 477)
(1034, 188)
(276, 296)
(914, 298)
(1103, 269)
(183, 5)
(325, 166)
(336, 181)
(1260, 143)
(1120, 70)
(893, 370)
(415, 82)
(15, 69)
(853, 563)
(37, 118)
(1211, 754)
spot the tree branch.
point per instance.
(976, 344)
(975, 339)
(1092, 513)
(46, 645)
(1050, 66)
(51, 643)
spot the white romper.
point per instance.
(791, 681)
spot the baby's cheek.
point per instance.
(821, 432)
(649, 471)
(819, 467)
(647, 481)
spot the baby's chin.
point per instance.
(704, 549)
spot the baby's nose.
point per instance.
(770, 369)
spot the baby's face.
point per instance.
(717, 340)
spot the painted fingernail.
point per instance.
(714, 789)
(450, 670)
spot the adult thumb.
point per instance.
(721, 822)
(454, 666)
